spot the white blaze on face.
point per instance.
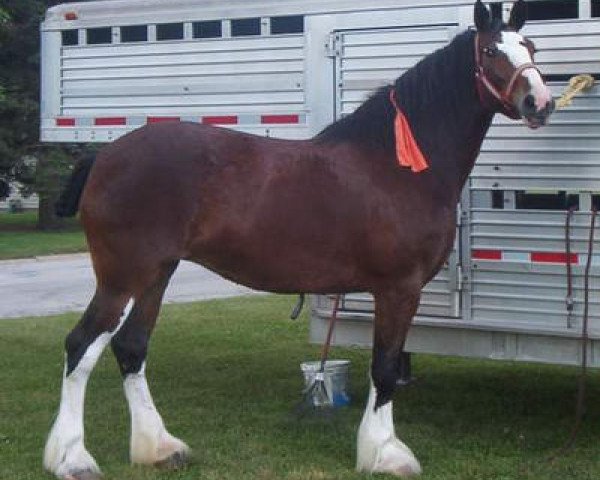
(512, 44)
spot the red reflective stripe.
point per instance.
(553, 257)
(486, 254)
(162, 119)
(65, 122)
(106, 121)
(280, 119)
(220, 120)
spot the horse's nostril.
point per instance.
(529, 103)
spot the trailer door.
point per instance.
(520, 190)
(366, 60)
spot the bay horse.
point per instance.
(332, 214)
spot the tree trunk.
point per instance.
(47, 220)
(51, 170)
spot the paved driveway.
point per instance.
(65, 283)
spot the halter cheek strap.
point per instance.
(484, 84)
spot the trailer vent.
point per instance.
(98, 36)
(209, 29)
(169, 31)
(70, 37)
(245, 27)
(134, 33)
(287, 24)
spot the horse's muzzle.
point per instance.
(534, 117)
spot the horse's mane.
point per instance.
(431, 84)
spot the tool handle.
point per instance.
(327, 344)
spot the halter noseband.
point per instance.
(484, 83)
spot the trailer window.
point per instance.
(245, 26)
(546, 201)
(96, 36)
(498, 199)
(552, 9)
(595, 8)
(70, 37)
(134, 33)
(209, 29)
(288, 24)
(169, 31)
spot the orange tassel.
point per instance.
(408, 152)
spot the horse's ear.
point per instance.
(483, 19)
(518, 16)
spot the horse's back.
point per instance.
(161, 164)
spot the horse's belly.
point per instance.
(266, 266)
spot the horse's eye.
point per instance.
(490, 51)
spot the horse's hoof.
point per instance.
(396, 458)
(176, 461)
(393, 458)
(83, 475)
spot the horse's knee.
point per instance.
(75, 346)
(394, 311)
(130, 343)
(101, 319)
(130, 346)
(385, 372)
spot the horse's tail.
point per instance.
(68, 203)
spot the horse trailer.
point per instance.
(287, 68)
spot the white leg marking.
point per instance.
(150, 441)
(65, 452)
(378, 448)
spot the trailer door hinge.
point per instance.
(332, 47)
(459, 278)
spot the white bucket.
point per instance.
(335, 378)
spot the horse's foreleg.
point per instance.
(65, 454)
(378, 448)
(151, 443)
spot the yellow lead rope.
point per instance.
(577, 84)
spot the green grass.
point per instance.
(19, 237)
(225, 375)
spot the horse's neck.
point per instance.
(443, 109)
(447, 117)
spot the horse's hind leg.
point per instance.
(378, 448)
(150, 443)
(65, 454)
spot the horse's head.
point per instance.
(505, 68)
